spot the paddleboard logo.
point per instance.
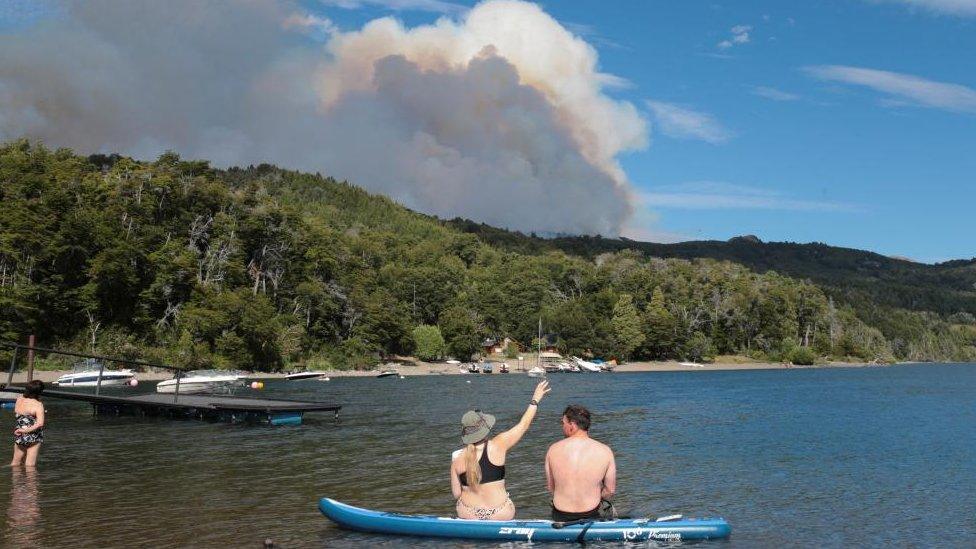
(527, 532)
(631, 534)
(663, 535)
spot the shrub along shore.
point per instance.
(440, 368)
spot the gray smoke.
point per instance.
(448, 118)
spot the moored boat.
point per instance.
(388, 373)
(633, 530)
(586, 365)
(86, 374)
(203, 381)
(298, 376)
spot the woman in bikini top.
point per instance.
(478, 473)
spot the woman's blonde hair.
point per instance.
(472, 469)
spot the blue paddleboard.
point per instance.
(365, 520)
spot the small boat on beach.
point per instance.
(669, 530)
(85, 374)
(561, 367)
(388, 373)
(473, 368)
(298, 376)
(486, 368)
(203, 381)
(586, 365)
(503, 368)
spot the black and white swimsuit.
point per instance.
(25, 421)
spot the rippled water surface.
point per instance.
(829, 457)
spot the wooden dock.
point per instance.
(206, 407)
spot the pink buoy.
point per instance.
(257, 385)
(133, 382)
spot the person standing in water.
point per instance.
(580, 472)
(478, 473)
(29, 434)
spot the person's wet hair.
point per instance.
(34, 388)
(578, 415)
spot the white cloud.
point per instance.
(966, 8)
(681, 122)
(716, 195)
(774, 94)
(435, 6)
(902, 89)
(314, 25)
(740, 35)
(500, 114)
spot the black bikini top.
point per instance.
(489, 471)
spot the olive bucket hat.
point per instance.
(475, 426)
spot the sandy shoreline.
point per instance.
(439, 368)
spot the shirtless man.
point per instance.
(580, 472)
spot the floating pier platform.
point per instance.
(206, 407)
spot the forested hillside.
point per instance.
(263, 268)
(902, 298)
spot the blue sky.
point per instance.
(846, 122)
(780, 138)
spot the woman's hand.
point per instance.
(540, 390)
(18, 431)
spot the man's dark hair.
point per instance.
(34, 388)
(578, 415)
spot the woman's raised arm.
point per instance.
(511, 437)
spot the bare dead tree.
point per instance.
(169, 315)
(199, 233)
(557, 293)
(185, 183)
(212, 266)
(268, 264)
(93, 327)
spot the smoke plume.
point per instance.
(499, 115)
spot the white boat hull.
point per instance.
(90, 379)
(586, 365)
(304, 375)
(105, 382)
(197, 387)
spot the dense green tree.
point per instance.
(659, 328)
(428, 342)
(462, 332)
(626, 326)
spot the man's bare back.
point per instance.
(580, 471)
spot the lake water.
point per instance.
(818, 457)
